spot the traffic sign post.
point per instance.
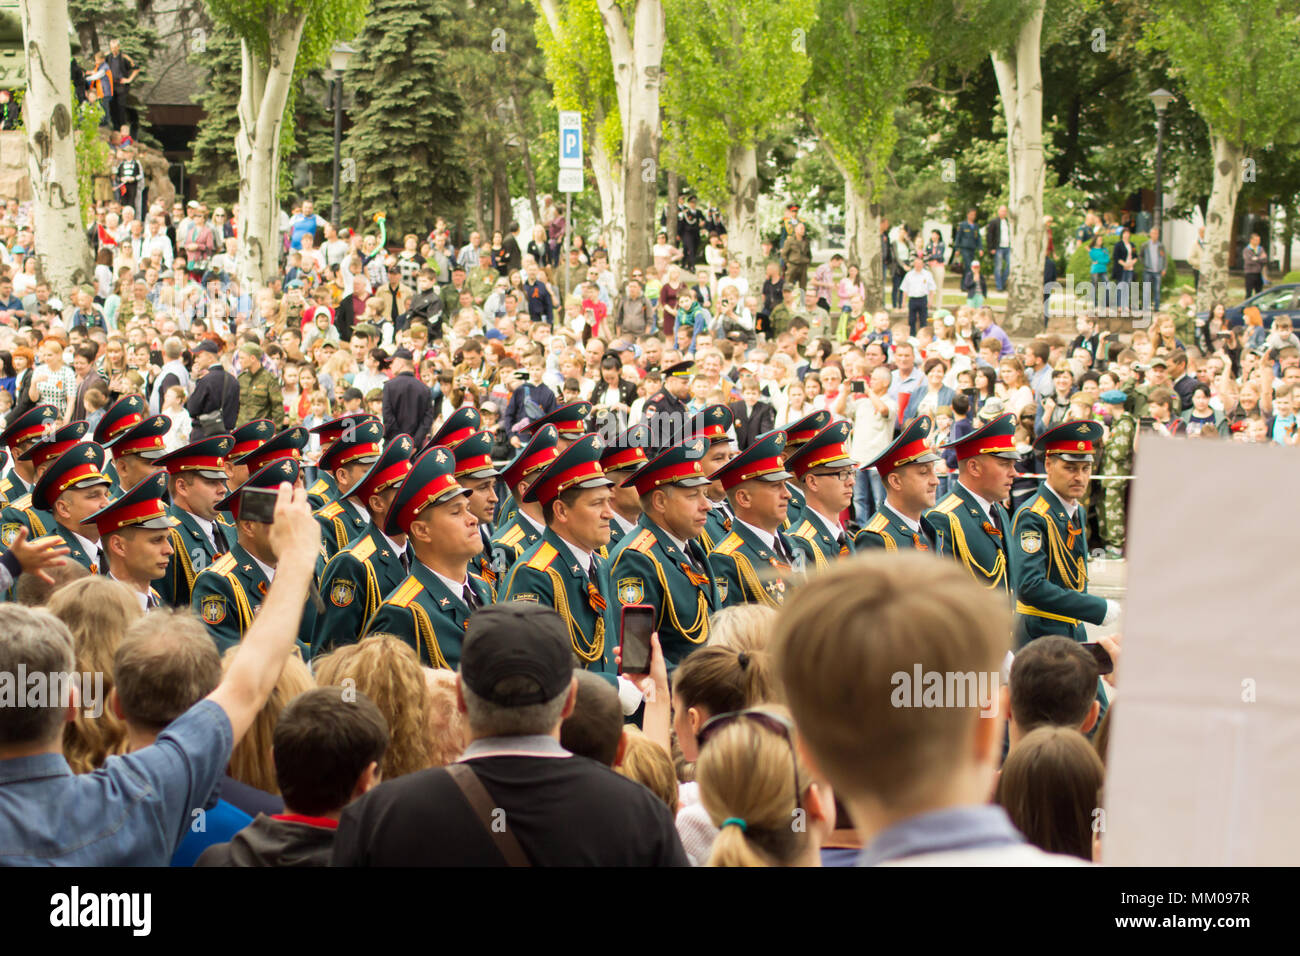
(570, 180)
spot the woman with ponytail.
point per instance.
(711, 681)
(767, 809)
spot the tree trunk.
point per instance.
(478, 200)
(862, 233)
(1020, 83)
(742, 182)
(1219, 214)
(263, 94)
(637, 58)
(610, 188)
(501, 210)
(521, 126)
(62, 252)
(670, 211)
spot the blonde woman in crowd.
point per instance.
(251, 762)
(755, 789)
(387, 671)
(97, 610)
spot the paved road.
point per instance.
(1106, 578)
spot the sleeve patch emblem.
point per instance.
(1031, 542)
(526, 597)
(213, 610)
(631, 590)
(342, 593)
(8, 531)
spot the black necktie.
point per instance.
(218, 542)
(780, 549)
(595, 600)
(469, 597)
(842, 540)
(406, 562)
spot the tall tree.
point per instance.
(62, 250)
(636, 48)
(280, 40)
(581, 71)
(734, 72)
(406, 135)
(1020, 83)
(1238, 63)
(214, 164)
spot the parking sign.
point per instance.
(570, 139)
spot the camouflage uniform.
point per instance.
(260, 397)
(1116, 459)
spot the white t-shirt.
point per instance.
(872, 432)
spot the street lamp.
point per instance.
(1160, 99)
(340, 54)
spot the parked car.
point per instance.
(1274, 301)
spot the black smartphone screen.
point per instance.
(257, 504)
(638, 623)
(1104, 663)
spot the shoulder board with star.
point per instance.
(949, 504)
(729, 544)
(513, 536)
(23, 503)
(224, 564)
(877, 524)
(643, 542)
(805, 531)
(406, 593)
(1041, 506)
(319, 488)
(331, 510)
(543, 558)
(363, 549)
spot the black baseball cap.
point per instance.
(516, 639)
(207, 345)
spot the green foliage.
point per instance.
(93, 155)
(1080, 263)
(256, 21)
(214, 164)
(1237, 62)
(405, 138)
(580, 69)
(733, 70)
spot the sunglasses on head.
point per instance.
(777, 724)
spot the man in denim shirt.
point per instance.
(135, 809)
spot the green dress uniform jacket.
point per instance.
(114, 482)
(89, 562)
(815, 542)
(229, 592)
(794, 510)
(886, 529)
(192, 551)
(747, 571)
(323, 490)
(19, 514)
(354, 584)
(427, 615)
(716, 527)
(340, 524)
(508, 545)
(548, 574)
(12, 486)
(507, 511)
(1049, 569)
(647, 568)
(227, 527)
(964, 533)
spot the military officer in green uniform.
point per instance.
(825, 469)
(1116, 459)
(136, 449)
(621, 458)
(753, 564)
(361, 575)
(526, 527)
(197, 482)
(430, 609)
(476, 473)
(325, 488)
(570, 424)
(259, 390)
(32, 426)
(906, 469)
(970, 523)
(20, 513)
(714, 423)
(117, 420)
(795, 436)
(661, 561)
(1049, 546)
(135, 535)
(73, 488)
(564, 570)
(346, 462)
(229, 592)
(248, 438)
